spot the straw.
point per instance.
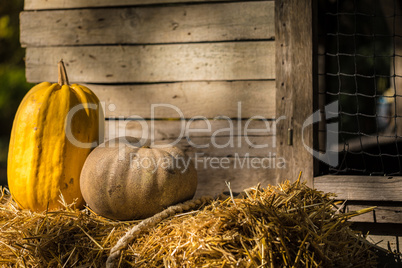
(289, 225)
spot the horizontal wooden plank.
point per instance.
(171, 129)
(363, 188)
(214, 172)
(222, 147)
(145, 25)
(381, 214)
(202, 138)
(238, 99)
(62, 4)
(383, 235)
(154, 63)
(387, 243)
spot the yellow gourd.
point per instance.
(55, 128)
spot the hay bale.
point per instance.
(289, 225)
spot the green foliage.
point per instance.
(5, 30)
(13, 85)
(12, 89)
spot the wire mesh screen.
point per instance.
(360, 66)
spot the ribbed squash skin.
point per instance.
(124, 182)
(42, 162)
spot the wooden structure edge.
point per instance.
(294, 87)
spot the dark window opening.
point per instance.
(359, 55)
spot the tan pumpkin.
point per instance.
(54, 130)
(123, 181)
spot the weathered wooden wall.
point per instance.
(211, 60)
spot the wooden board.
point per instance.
(363, 188)
(154, 63)
(220, 138)
(381, 214)
(188, 99)
(145, 25)
(170, 129)
(221, 147)
(62, 4)
(383, 235)
(241, 175)
(390, 242)
(294, 83)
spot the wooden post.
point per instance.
(294, 86)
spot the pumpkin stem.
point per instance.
(63, 79)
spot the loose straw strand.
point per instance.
(146, 224)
